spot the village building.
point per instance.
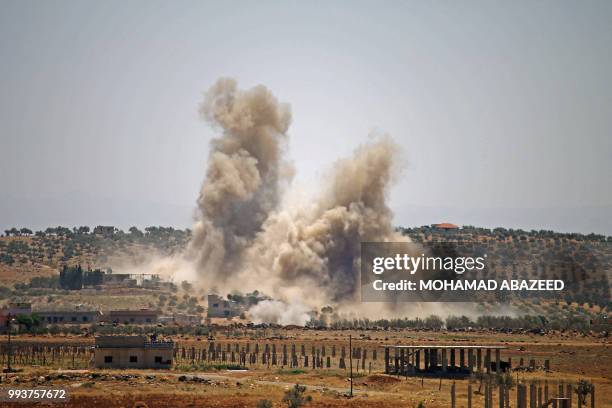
(69, 316)
(16, 308)
(445, 226)
(119, 279)
(181, 319)
(142, 316)
(132, 352)
(219, 307)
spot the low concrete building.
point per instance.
(132, 352)
(119, 279)
(219, 307)
(143, 316)
(69, 316)
(180, 319)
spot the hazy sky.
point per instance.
(503, 109)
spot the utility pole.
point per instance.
(10, 349)
(351, 361)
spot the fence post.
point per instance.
(469, 396)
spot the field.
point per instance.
(193, 383)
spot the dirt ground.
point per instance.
(572, 357)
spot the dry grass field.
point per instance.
(572, 357)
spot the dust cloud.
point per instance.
(304, 255)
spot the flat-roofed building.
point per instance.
(132, 352)
(142, 316)
(181, 319)
(219, 307)
(69, 316)
(17, 308)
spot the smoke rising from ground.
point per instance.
(276, 312)
(315, 250)
(306, 256)
(244, 174)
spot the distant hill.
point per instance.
(584, 260)
(513, 253)
(25, 254)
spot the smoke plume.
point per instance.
(243, 177)
(313, 252)
(276, 312)
(305, 256)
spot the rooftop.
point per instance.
(446, 225)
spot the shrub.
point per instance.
(264, 403)
(294, 398)
(583, 389)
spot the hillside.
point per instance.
(25, 254)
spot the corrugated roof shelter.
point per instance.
(443, 359)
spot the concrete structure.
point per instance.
(143, 316)
(219, 307)
(69, 316)
(119, 279)
(181, 319)
(132, 352)
(443, 359)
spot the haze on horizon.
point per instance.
(503, 111)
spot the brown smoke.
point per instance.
(303, 256)
(244, 173)
(314, 253)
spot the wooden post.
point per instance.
(433, 356)
(396, 361)
(444, 362)
(386, 360)
(497, 360)
(453, 402)
(520, 396)
(469, 396)
(488, 361)
(351, 363)
(471, 360)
